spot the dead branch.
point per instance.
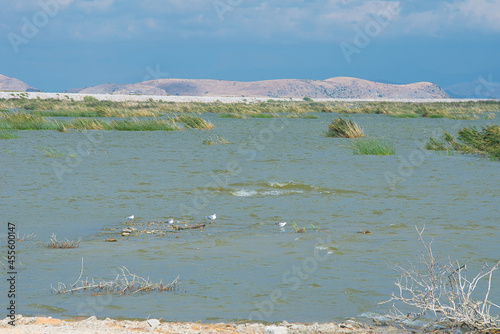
(124, 282)
(446, 291)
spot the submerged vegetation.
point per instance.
(485, 141)
(7, 134)
(27, 121)
(372, 146)
(216, 140)
(343, 128)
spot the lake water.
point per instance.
(243, 266)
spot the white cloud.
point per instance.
(480, 13)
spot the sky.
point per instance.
(55, 45)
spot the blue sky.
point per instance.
(60, 44)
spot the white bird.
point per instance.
(130, 217)
(170, 221)
(281, 224)
(211, 217)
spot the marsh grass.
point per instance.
(7, 134)
(25, 121)
(232, 115)
(50, 152)
(264, 115)
(309, 116)
(343, 128)
(194, 122)
(405, 115)
(485, 141)
(215, 141)
(87, 124)
(95, 108)
(143, 125)
(372, 146)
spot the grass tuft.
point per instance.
(373, 146)
(7, 135)
(342, 128)
(485, 141)
(214, 141)
(194, 122)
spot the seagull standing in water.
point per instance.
(170, 221)
(130, 218)
(281, 224)
(211, 217)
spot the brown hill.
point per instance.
(339, 87)
(14, 85)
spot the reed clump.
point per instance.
(373, 146)
(485, 141)
(194, 122)
(26, 121)
(344, 128)
(215, 140)
(143, 125)
(54, 243)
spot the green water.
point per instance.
(243, 266)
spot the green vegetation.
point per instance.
(193, 122)
(7, 135)
(470, 141)
(50, 152)
(91, 107)
(215, 141)
(26, 121)
(373, 146)
(231, 115)
(343, 128)
(143, 125)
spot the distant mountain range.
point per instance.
(15, 85)
(338, 87)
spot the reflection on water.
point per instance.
(244, 266)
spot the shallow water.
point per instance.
(244, 266)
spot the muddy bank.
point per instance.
(39, 325)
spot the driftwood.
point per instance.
(187, 227)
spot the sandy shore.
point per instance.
(39, 325)
(204, 99)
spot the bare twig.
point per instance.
(125, 282)
(446, 291)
